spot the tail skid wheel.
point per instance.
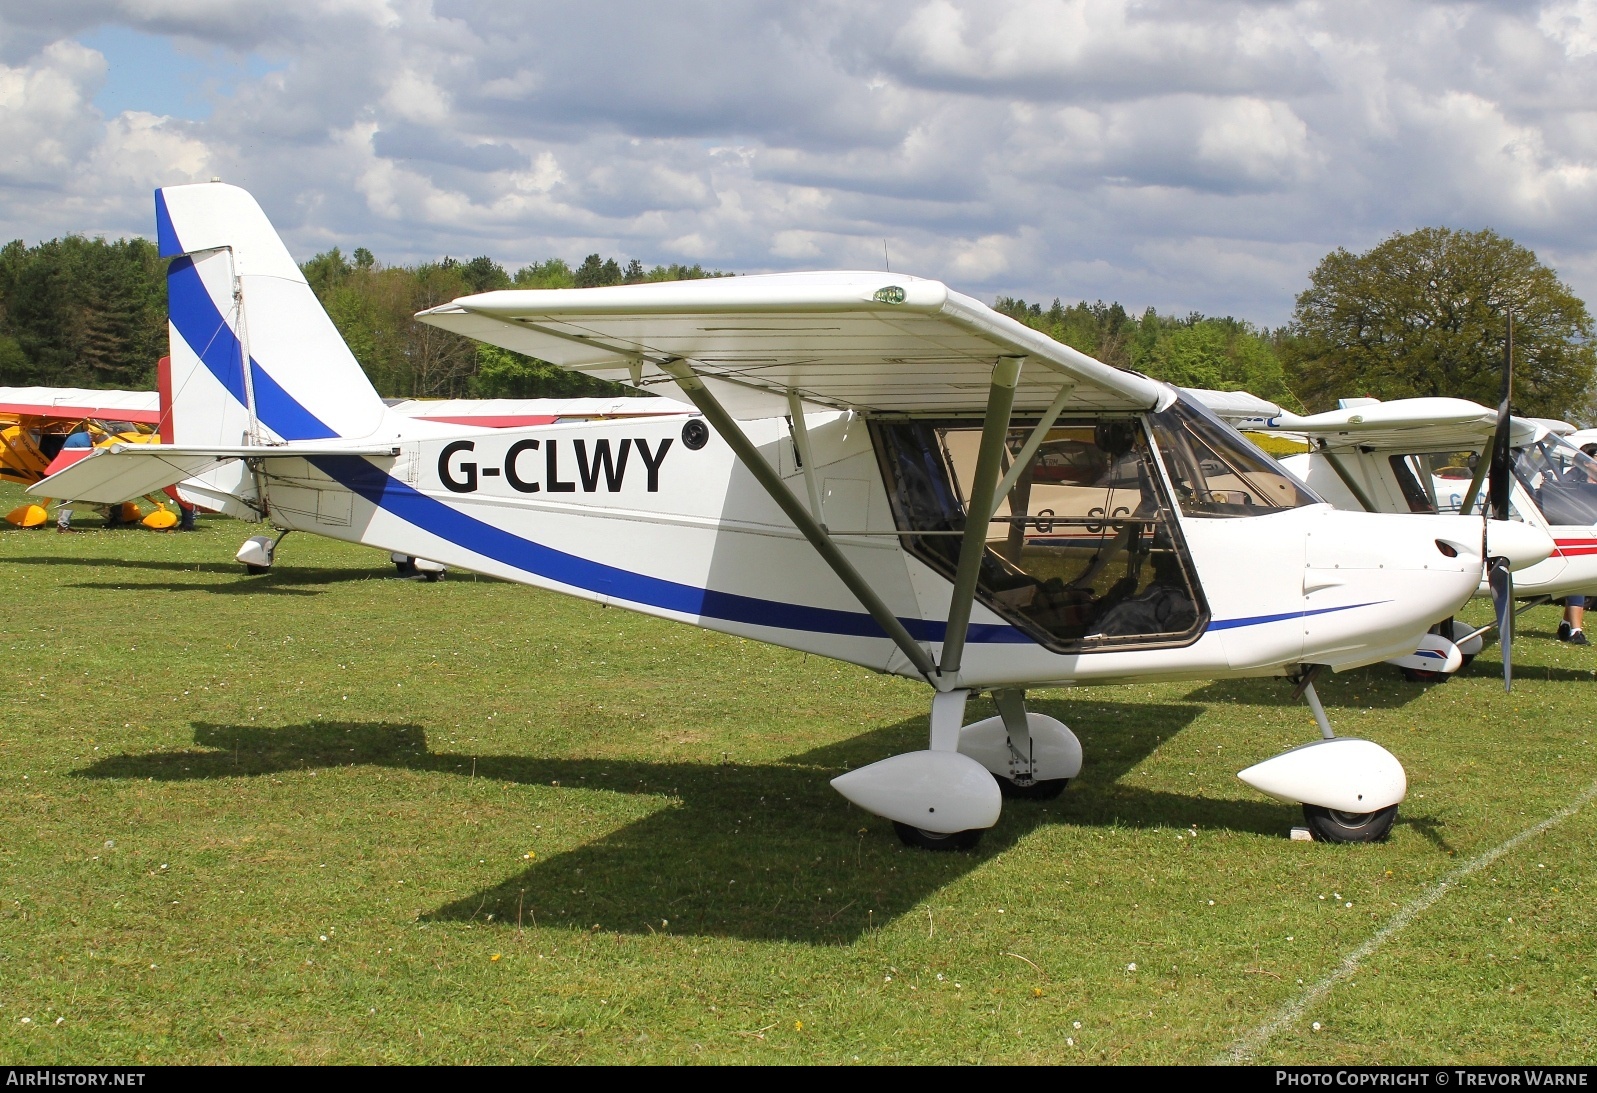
(256, 570)
(922, 839)
(1331, 826)
(1043, 789)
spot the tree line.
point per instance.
(1422, 313)
(1224, 354)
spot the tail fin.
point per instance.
(236, 296)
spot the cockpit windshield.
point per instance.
(1562, 479)
(1216, 471)
(1083, 551)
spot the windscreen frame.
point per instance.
(915, 537)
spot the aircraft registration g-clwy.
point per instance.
(881, 471)
(1430, 455)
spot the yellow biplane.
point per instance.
(45, 429)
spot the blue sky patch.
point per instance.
(153, 73)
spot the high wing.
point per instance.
(1242, 409)
(1413, 424)
(1409, 425)
(114, 474)
(876, 342)
(71, 403)
(512, 413)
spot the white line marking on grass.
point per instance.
(1250, 1045)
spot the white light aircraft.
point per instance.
(1432, 455)
(881, 470)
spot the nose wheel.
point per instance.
(1330, 825)
(921, 839)
(1349, 788)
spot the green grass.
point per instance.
(205, 776)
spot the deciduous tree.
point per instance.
(1425, 313)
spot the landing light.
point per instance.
(892, 294)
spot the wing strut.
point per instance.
(693, 387)
(978, 513)
(1347, 478)
(801, 440)
(1023, 457)
(1482, 464)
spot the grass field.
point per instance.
(325, 815)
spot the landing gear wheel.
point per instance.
(256, 570)
(1331, 826)
(1042, 789)
(407, 568)
(1466, 658)
(935, 840)
(1421, 675)
(432, 576)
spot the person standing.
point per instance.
(1570, 629)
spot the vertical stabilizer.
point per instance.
(255, 359)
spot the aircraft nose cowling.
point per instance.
(1374, 583)
(1354, 542)
(1520, 543)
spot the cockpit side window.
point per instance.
(1083, 551)
(1562, 479)
(1405, 468)
(1434, 481)
(1216, 472)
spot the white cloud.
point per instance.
(45, 126)
(1190, 155)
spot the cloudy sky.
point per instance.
(1187, 155)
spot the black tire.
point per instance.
(432, 576)
(932, 840)
(1331, 826)
(256, 570)
(1423, 675)
(1043, 789)
(407, 568)
(1466, 657)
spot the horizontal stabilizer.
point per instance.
(124, 471)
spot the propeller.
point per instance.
(1500, 478)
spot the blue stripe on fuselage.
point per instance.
(488, 541)
(1259, 620)
(446, 522)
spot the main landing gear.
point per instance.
(945, 797)
(1349, 789)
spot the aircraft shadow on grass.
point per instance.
(287, 581)
(765, 851)
(1379, 685)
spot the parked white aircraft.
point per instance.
(848, 425)
(1429, 455)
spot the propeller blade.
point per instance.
(1502, 585)
(1501, 476)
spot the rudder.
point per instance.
(234, 296)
